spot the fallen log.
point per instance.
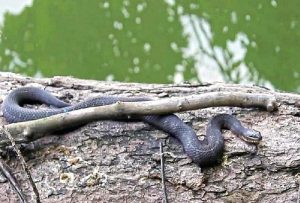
(119, 161)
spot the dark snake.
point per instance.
(203, 152)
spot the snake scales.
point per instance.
(202, 152)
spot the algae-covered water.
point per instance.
(154, 41)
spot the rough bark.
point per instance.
(109, 161)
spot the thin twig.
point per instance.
(6, 171)
(162, 165)
(25, 132)
(24, 165)
(298, 199)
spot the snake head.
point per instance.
(252, 136)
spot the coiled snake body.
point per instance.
(202, 152)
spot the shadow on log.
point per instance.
(109, 161)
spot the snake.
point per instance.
(203, 152)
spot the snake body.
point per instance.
(202, 152)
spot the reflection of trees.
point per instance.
(223, 58)
(273, 34)
(209, 52)
(92, 40)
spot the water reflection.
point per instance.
(214, 63)
(153, 41)
(13, 7)
(112, 40)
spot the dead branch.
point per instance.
(25, 132)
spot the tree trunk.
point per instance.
(110, 161)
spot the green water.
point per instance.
(154, 41)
